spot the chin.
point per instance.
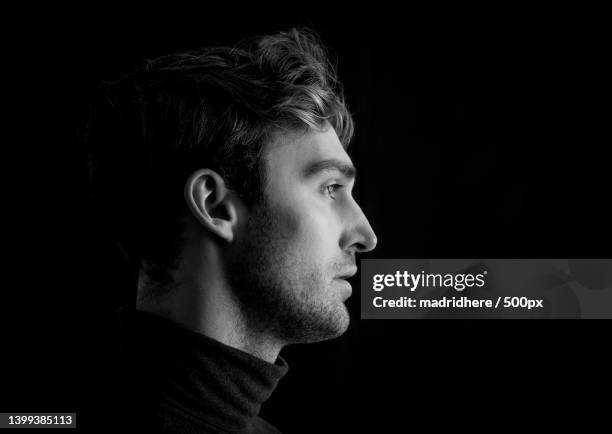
(333, 326)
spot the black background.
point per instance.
(480, 134)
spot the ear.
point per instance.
(211, 203)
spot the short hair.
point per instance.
(213, 107)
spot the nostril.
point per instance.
(370, 243)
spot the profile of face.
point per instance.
(299, 244)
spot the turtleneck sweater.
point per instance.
(178, 380)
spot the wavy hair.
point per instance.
(213, 107)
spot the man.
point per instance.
(223, 176)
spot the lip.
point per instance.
(347, 274)
(347, 286)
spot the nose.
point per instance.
(358, 237)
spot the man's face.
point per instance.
(300, 243)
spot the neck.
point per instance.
(203, 302)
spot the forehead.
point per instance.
(290, 152)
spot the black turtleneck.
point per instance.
(178, 380)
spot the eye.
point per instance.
(332, 189)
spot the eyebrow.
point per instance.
(330, 165)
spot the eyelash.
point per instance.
(335, 187)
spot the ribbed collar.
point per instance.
(189, 371)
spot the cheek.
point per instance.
(288, 221)
(306, 222)
(313, 231)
